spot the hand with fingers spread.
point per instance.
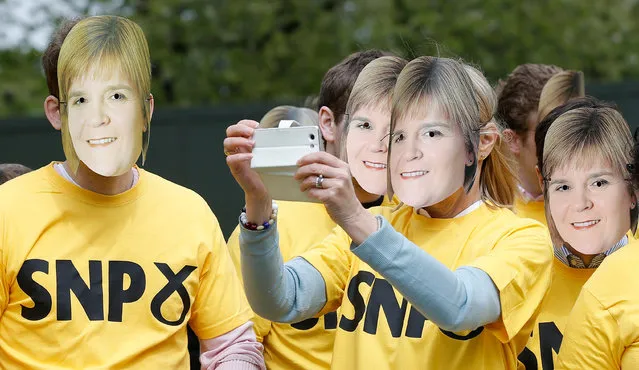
(238, 148)
(328, 179)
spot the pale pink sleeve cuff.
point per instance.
(235, 350)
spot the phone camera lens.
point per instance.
(312, 136)
(312, 145)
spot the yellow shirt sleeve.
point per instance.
(592, 339)
(332, 258)
(520, 267)
(221, 305)
(4, 289)
(233, 245)
(261, 326)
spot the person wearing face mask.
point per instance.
(308, 344)
(98, 269)
(602, 329)
(366, 131)
(523, 99)
(451, 279)
(584, 152)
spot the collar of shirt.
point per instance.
(59, 167)
(569, 259)
(527, 197)
(466, 211)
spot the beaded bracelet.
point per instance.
(251, 226)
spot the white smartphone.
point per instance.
(275, 157)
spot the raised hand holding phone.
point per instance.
(238, 148)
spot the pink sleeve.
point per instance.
(235, 350)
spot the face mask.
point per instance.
(428, 160)
(590, 207)
(106, 123)
(367, 147)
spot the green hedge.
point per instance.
(254, 50)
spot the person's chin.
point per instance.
(589, 248)
(105, 171)
(375, 190)
(373, 185)
(410, 199)
(110, 169)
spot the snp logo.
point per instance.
(382, 296)
(330, 322)
(91, 295)
(549, 343)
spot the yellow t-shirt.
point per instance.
(532, 209)
(96, 281)
(602, 331)
(308, 344)
(379, 329)
(543, 346)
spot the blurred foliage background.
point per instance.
(219, 51)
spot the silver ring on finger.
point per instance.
(319, 181)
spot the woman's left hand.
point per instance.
(326, 178)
